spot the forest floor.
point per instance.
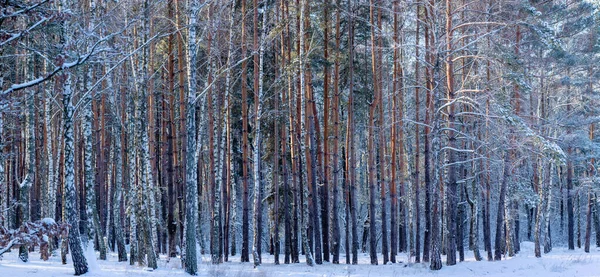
(560, 262)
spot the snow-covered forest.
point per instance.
(212, 137)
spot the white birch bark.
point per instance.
(90, 175)
(309, 257)
(49, 190)
(3, 184)
(118, 185)
(132, 206)
(75, 248)
(191, 209)
(539, 211)
(257, 146)
(547, 237)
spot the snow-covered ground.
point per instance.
(560, 262)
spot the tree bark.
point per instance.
(451, 185)
(371, 143)
(258, 90)
(245, 209)
(79, 261)
(350, 151)
(191, 193)
(335, 231)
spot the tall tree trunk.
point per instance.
(417, 169)
(171, 144)
(213, 184)
(538, 214)
(23, 209)
(427, 238)
(90, 175)
(570, 212)
(548, 237)
(258, 90)
(371, 143)
(79, 261)
(313, 141)
(498, 243)
(286, 92)
(596, 216)
(451, 186)
(4, 186)
(245, 209)
(146, 182)
(307, 135)
(191, 193)
(335, 229)
(118, 196)
(350, 150)
(474, 223)
(227, 188)
(394, 131)
(588, 223)
(382, 145)
(436, 230)
(324, 188)
(50, 197)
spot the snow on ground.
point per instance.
(560, 262)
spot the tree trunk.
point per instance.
(436, 234)
(538, 215)
(500, 222)
(171, 143)
(245, 209)
(23, 209)
(228, 170)
(417, 183)
(570, 214)
(371, 143)
(596, 216)
(324, 188)
(350, 151)
(118, 196)
(191, 193)
(451, 185)
(258, 90)
(335, 230)
(79, 260)
(90, 180)
(548, 237)
(427, 238)
(474, 224)
(588, 223)
(214, 188)
(394, 131)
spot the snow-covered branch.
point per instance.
(15, 36)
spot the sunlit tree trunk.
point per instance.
(451, 186)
